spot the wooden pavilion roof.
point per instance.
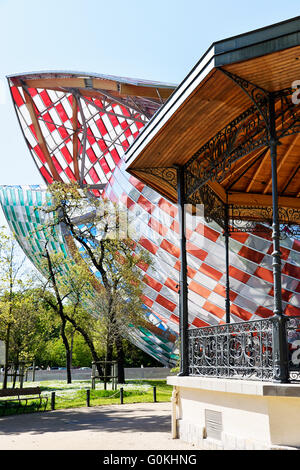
(217, 110)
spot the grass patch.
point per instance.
(74, 395)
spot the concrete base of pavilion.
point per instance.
(227, 414)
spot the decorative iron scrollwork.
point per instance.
(257, 94)
(214, 208)
(214, 159)
(246, 218)
(244, 134)
(236, 350)
(167, 174)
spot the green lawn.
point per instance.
(74, 395)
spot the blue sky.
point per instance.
(154, 39)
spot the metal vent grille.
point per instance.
(213, 424)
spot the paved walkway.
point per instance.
(143, 426)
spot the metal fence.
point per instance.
(243, 350)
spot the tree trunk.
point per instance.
(60, 311)
(109, 355)
(120, 359)
(68, 352)
(89, 343)
(6, 355)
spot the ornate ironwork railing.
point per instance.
(242, 350)
(293, 337)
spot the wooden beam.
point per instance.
(218, 190)
(282, 162)
(72, 82)
(147, 91)
(246, 199)
(240, 166)
(75, 136)
(40, 137)
(253, 179)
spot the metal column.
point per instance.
(227, 285)
(280, 348)
(183, 292)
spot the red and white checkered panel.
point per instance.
(106, 128)
(110, 127)
(250, 272)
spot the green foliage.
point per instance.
(81, 355)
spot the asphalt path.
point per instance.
(142, 426)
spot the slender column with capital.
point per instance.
(183, 290)
(280, 347)
(227, 285)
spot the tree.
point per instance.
(70, 290)
(12, 281)
(52, 265)
(97, 228)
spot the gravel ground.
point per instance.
(142, 426)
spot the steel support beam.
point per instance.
(183, 291)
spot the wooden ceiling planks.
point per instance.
(272, 71)
(214, 103)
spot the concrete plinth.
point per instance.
(236, 414)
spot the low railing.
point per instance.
(293, 338)
(243, 350)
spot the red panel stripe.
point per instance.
(70, 174)
(136, 183)
(46, 175)
(174, 285)
(240, 237)
(165, 303)
(195, 251)
(291, 310)
(168, 207)
(291, 270)
(285, 253)
(264, 274)
(199, 323)
(250, 254)
(68, 157)
(296, 245)
(207, 232)
(211, 272)
(221, 290)
(17, 96)
(214, 309)
(91, 154)
(39, 153)
(147, 301)
(127, 201)
(45, 97)
(94, 175)
(240, 312)
(170, 248)
(174, 318)
(152, 283)
(147, 205)
(62, 113)
(157, 226)
(264, 312)
(148, 245)
(57, 165)
(200, 290)
(238, 274)
(190, 271)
